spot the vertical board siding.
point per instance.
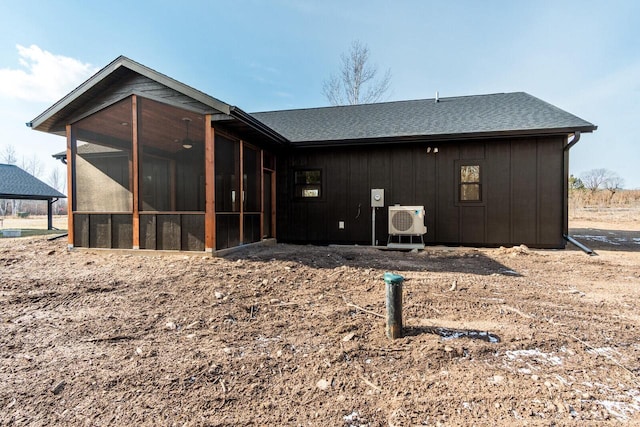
(497, 186)
(522, 192)
(550, 192)
(402, 177)
(425, 188)
(122, 231)
(380, 177)
(358, 222)
(472, 225)
(472, 151)
(337, 185)
(448, 214)
(473, 219)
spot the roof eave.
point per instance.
(123, 61)
(256, 124)
(30, 196)
(445, 137)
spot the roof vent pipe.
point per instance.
(437, 97)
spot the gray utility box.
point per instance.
(377, 197)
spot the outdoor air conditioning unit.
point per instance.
(406, 221)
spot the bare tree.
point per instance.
(57, 179)
(9, 155)
(613, 184)
(595, 179)
(356, 83)
(33, 165)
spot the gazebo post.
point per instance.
(50, 214)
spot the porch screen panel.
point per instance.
(227, 167)
(103, 160)
(171, 143)
(251, 180)
(228, 197)
(252, 174)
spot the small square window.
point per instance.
(308, 184)
(470, 184)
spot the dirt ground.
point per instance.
(294, 335)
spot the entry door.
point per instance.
(267, 194)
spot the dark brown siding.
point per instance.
(523, 191)
(550, 191)
(358, 212)
(447, 228)
(522, 187)
(498, 192)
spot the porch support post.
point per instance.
(242, 195)
(262, 184)
(71, 182)
(136, 173)
(50, 214)
(209, 186)
(273, 200)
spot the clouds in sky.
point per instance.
(43, 76)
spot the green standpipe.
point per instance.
(393, 287)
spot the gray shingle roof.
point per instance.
(501, 113)
(88, 149)
(16, 183)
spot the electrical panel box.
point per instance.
(377, 197)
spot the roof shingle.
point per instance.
(16, 183)
(514, 113)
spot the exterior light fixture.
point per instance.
(187, 143)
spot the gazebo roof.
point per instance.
(16, 183)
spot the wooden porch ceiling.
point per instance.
(160, 125)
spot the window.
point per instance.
(470, 185)
(308, 184)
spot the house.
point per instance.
(156, 164)
(17, 184)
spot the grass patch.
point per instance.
(29, 232)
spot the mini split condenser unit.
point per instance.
(406, 221)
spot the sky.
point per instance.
(582, 56)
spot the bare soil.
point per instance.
(294, 335)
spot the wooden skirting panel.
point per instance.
(183, 232)
(111, 231)
(174, 231)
